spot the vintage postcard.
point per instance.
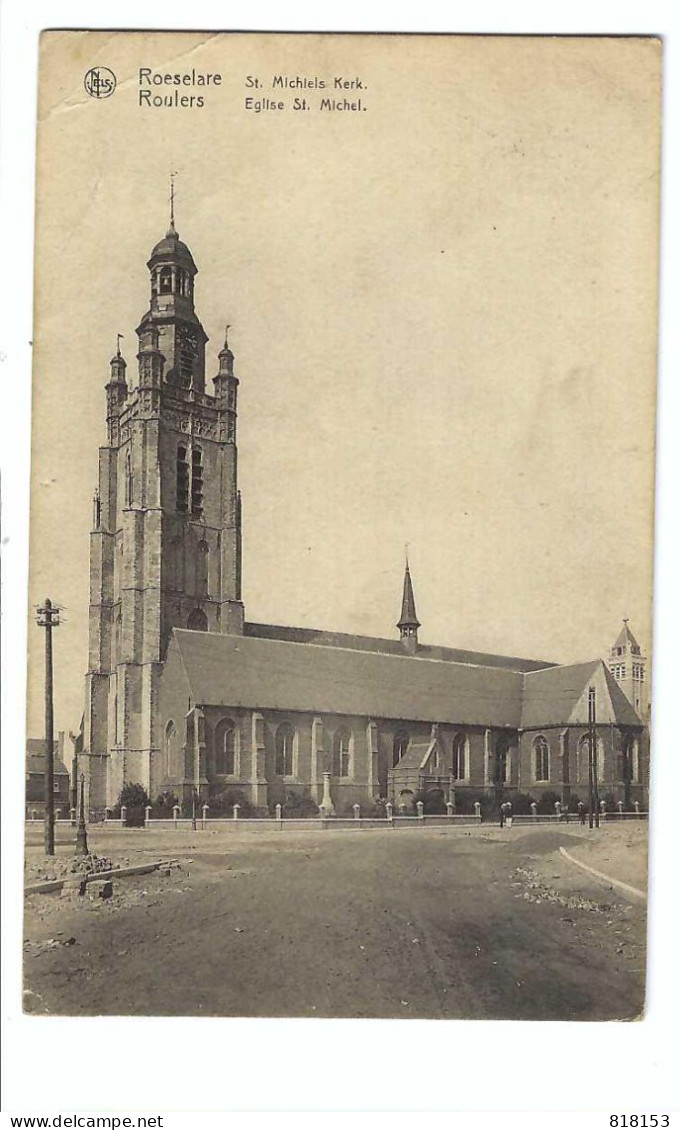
(342, 525)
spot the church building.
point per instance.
(184, 695)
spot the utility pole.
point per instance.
(594, 802)
(48, 618)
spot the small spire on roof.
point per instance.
(408, 621)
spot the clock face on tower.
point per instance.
(187, 352)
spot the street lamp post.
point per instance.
(48, 618)
(81, 834)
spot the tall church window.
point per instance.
(196, 481)
(225, 749)
(459, 760)
(341, 753)
(182, 480)
(170, 744)
(202, 568)
(541, 759)
(501, 773)
(198, 621)
(583, 755)
(399, 746)
(285, 736)
(128, 479)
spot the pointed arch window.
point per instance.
(169, 748)
(583, 756)
(198, 621)
(182, 492)
(342, 742)
(196, 482)
(225, 748)
(541, 759)
(501, 773)
(460, 759)
(400, 744)
(285, 742)
(128, 479)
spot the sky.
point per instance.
(444, 323)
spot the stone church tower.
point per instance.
(165, 546)
(629, 667)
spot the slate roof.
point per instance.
(257, 672)
(35, 757)
(390, 647)
(409, 616)
(625, 637)
(415, 755)
(552, 697)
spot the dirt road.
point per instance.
(482, 925)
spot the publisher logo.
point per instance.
(99, 82)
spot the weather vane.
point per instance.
(172, 198)
(119, 338)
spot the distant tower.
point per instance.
(165, 548)
(408, 621)
(629, 668)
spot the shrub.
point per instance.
(465, 803)
(222, 804)
(546, 802)
(521, 804)
(136, 800)
(298, 805)
(433, 800)
(164, 804)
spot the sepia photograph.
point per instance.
(342, 526)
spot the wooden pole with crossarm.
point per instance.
(48, 618)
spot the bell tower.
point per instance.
(165, 547)
(629, 667)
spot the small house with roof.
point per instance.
(35, 777)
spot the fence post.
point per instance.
(32, 814)
(175, 813)
(636, 806)
(478, 812)
(534, 809)
(205, 815)
(357, 811)
(277, 816)
(107, 814)
(389, 813)
(420, 809)
(123, 815)
(236, 810)
(619, 805)
(449, 808)
(147, 815)
(73, 817)
(558, 809)
(603, 809)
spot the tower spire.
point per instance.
(408, 621)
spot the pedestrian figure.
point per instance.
(508, 814)
(581, 812)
